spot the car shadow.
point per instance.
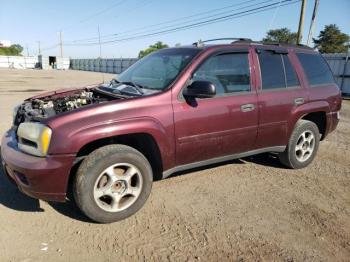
(265, 159)
(201, 168)
(12, 198)
(71, 210)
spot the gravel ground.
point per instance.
(243, 210)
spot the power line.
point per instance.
(274, 15)
(191, 21)
(50, 47)
(180, 18)
(198, 24)
(187, 26)
(140, 4)
(94, 15)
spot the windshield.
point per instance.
(159, 69)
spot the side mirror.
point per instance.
(200, 89)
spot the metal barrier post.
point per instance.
(345, 67)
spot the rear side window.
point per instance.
(276, 70)
(228, 72)
(316, 69)
(272, 72)
(291, 76)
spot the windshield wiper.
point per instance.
(113, 82)
(138, 87)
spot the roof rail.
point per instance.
(240, 40)
(200, 43)
(286, 44)
(275, 43)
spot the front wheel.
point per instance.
(303, 145)
(112, 183)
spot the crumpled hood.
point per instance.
(61, 92)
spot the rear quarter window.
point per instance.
(316, 69)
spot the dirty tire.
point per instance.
(90, 172)
(289, 157)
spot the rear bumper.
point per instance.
(44, 178)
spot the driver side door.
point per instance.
(222, 125)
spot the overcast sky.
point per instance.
(26, 22)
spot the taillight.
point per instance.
(337, 104)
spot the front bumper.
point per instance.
(44, 178)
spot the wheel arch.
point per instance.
(320, 119)
(143, 142)
(315, 112)
(144, 135)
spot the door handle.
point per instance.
(299, 101)
(247, 107)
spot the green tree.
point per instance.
(152, 48)
(282, 35)
(15, 50)
(331, 40)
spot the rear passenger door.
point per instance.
(279, 92)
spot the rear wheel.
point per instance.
(303, 145)
(112, 183)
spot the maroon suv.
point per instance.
(175, 109)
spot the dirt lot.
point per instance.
(243, 210)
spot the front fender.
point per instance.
(63, 142)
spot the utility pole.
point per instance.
(61, 45)
(309, 38)
(99, 42)
(27, 49)
(301, 22)
(39, 50)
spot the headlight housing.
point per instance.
(34, 138)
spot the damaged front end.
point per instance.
(38, 108)
(32, 134)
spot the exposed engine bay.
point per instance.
(38, 109)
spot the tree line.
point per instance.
(330, 40)
(15, 50)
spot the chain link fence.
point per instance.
(115, 66)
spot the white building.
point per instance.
(5, 43)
